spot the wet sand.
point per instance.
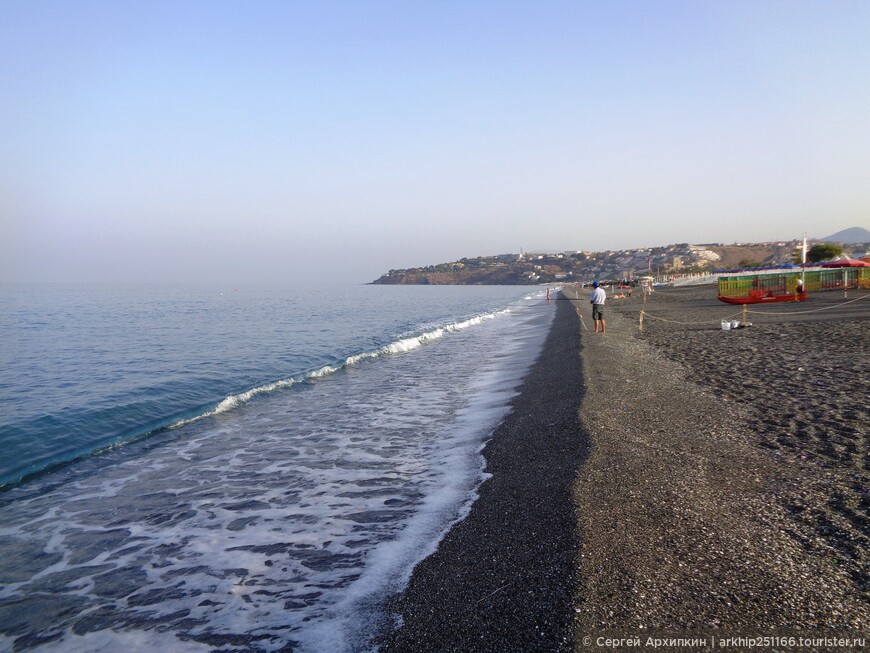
(681, 481)
(503, 579)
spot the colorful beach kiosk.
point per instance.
(787, 284)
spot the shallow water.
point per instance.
(278, 515)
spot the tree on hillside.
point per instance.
(823, 252)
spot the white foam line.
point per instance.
(397, 347)
(237, 400)
(347, 626)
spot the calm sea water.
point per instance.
(252, 469)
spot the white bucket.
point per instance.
(726, 325)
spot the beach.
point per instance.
(504, 577)
(682, 481)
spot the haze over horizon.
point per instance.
(236, 142)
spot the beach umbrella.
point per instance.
(846, 263)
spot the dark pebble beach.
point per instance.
(679, 482)
(504, 578)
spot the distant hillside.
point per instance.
(518, 269)
(751, 255)
(849, 236)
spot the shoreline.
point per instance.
(641, 484)
(503, 578)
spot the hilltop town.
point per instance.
(661, 262)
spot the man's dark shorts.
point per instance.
(597, 311)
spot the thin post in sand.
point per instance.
(580, 315)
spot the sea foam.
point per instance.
(282, 521)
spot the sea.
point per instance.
(253, 468)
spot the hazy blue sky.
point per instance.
(256, 140)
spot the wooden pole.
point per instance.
(641, 320)
(743, 320)
(580, 315)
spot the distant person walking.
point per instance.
(597, 301)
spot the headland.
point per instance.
(663, 262)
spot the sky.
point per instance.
(330, 140)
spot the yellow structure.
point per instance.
(781, 282)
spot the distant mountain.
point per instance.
(849, 236)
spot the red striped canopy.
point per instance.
(846, 263)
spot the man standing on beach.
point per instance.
(598, 297)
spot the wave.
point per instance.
(400, 346)
(234, 401)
